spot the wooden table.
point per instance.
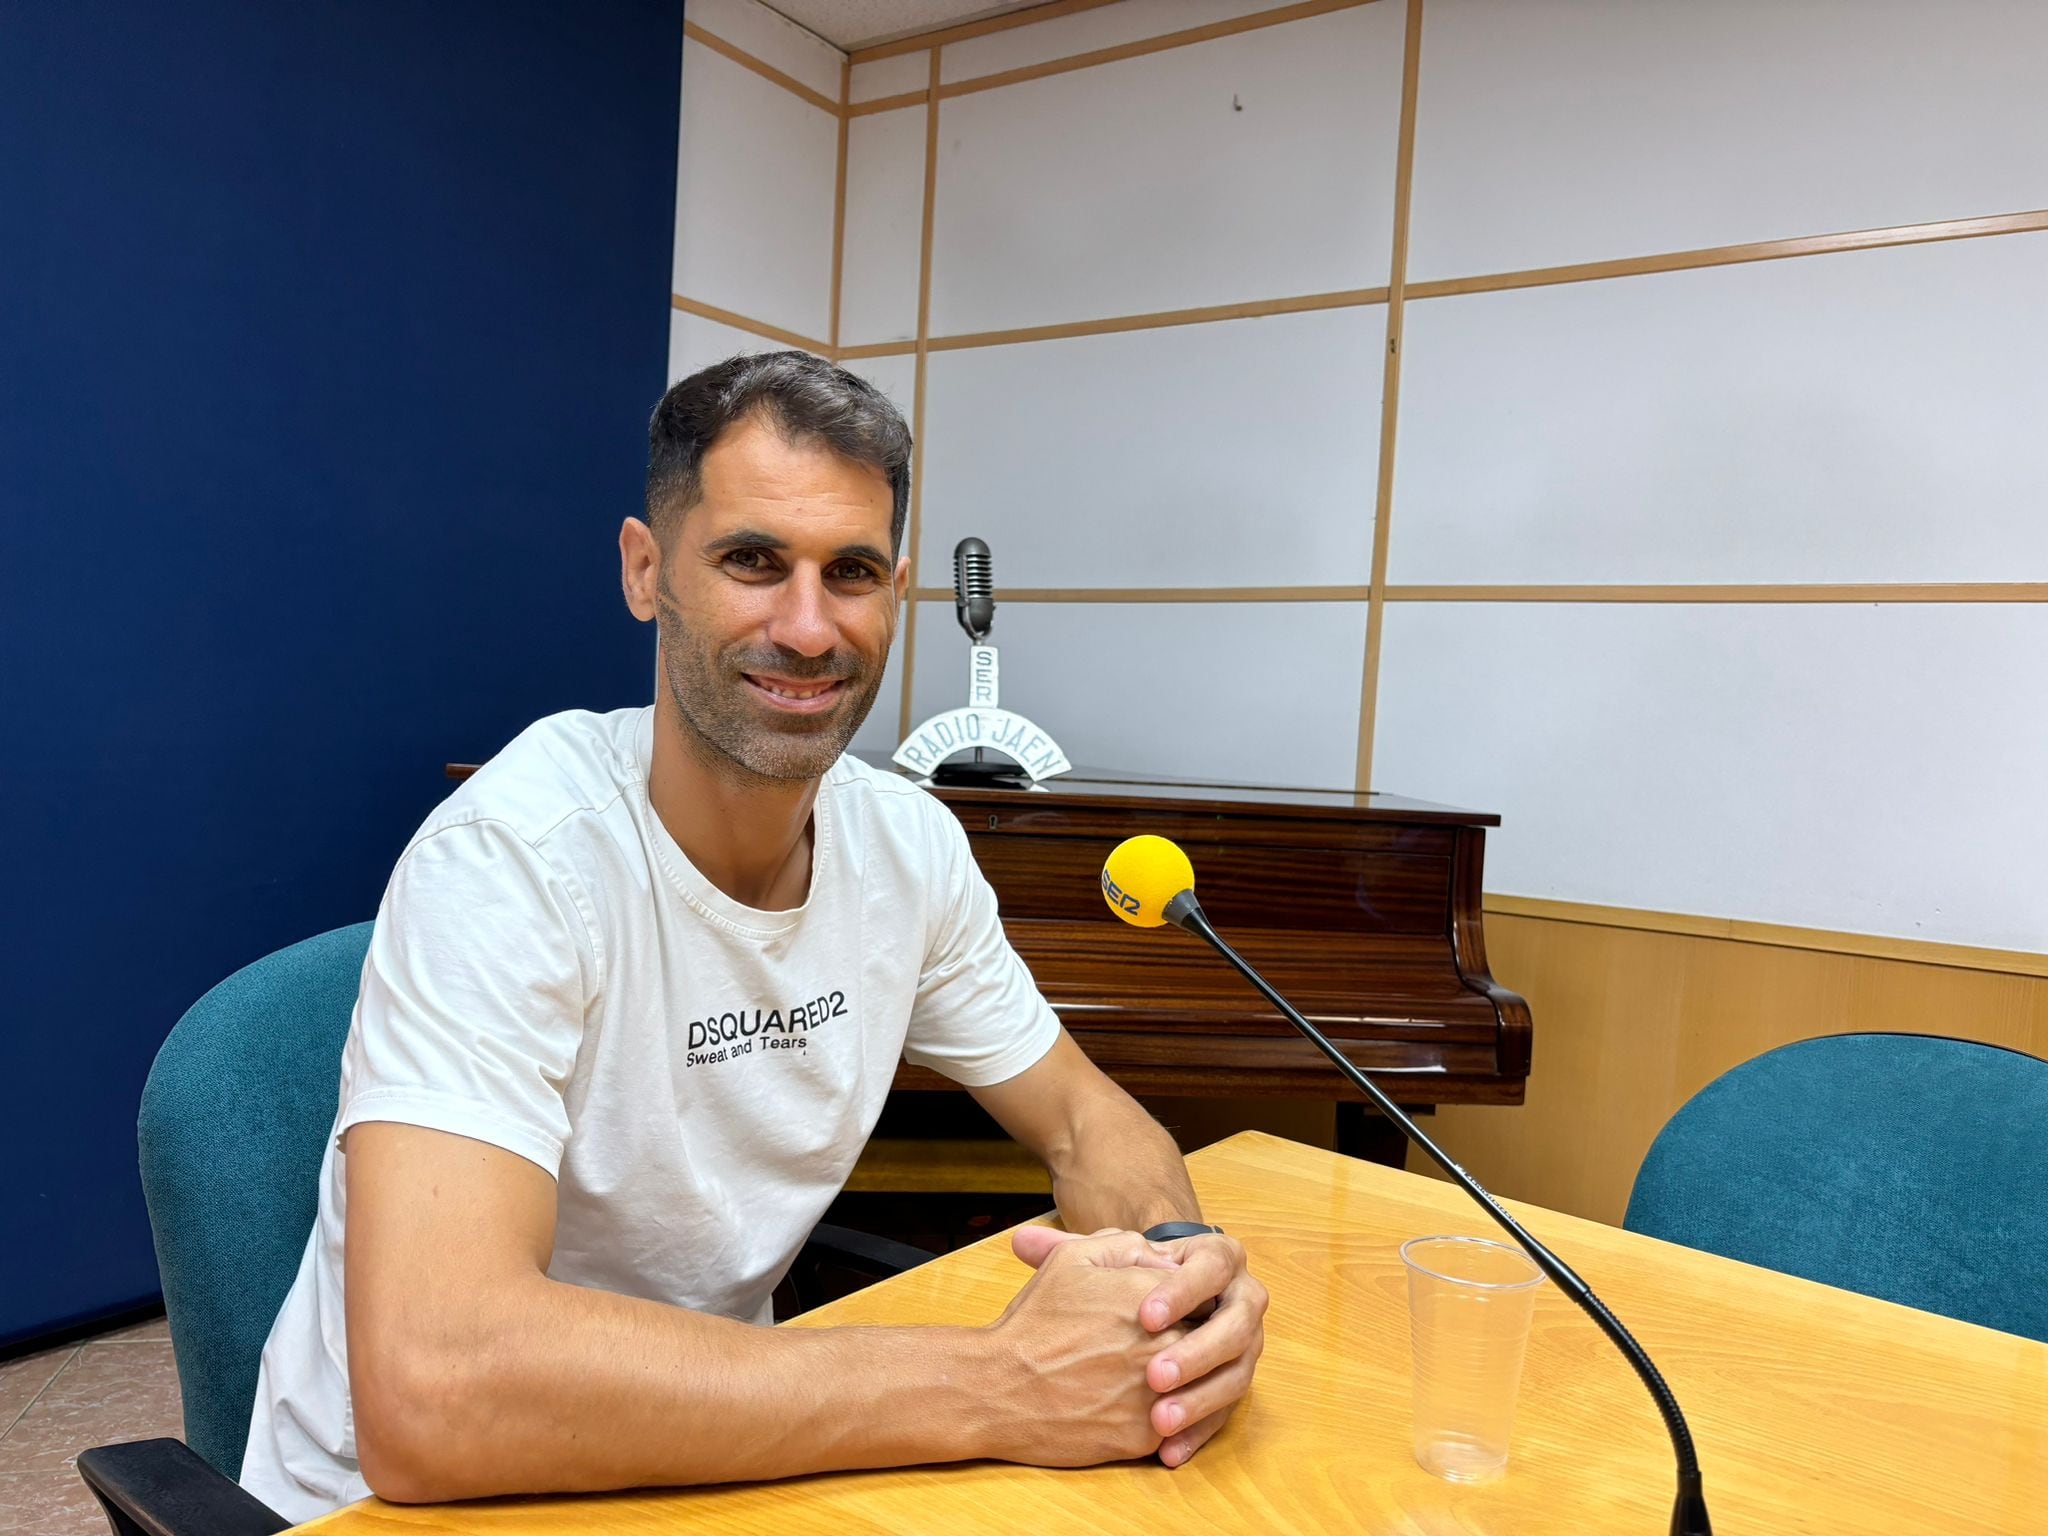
(1815, 1410)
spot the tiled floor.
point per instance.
(119, 1386)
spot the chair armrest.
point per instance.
(163, 1488)
(863, 1251)
(835, 1261)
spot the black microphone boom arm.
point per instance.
(1689, 1510)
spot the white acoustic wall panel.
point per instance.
(1558, 131)
(1860, 768)
(1064, 36)
(694, 342)
(1252, 167)
(1266, 692)
(773, 39)
(884, 227)
(1234, 453)
(895, 377)
(891, 76)
(1872, 416)
(756, 180)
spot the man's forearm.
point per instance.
(557, 1388)
(1122, 1170)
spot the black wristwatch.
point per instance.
(1167, 1231)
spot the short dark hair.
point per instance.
(807, 399)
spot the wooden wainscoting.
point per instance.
(1631, 1022)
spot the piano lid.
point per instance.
(1111, 785)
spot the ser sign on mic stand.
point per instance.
(1148, 882)
(953, 747)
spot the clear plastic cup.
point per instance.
(1469, 1302)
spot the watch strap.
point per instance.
(1167, 1231)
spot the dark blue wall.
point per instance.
(328, 334)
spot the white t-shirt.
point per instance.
(549, 974)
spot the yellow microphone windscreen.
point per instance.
(1141, 875)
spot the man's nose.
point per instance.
(802, 618)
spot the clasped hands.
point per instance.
(1177, 1329)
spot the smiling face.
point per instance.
(777, 599)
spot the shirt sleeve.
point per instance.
(472, 1003)
(979, 1018)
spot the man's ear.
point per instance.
(639, 568)
(902, 578)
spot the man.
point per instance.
(634, 998)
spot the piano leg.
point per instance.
(1362, 1132)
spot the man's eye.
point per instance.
(747, 559)
(853, 570)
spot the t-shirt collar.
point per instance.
(705, 898)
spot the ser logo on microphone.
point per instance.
(1118, 897)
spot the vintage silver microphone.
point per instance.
(974, 588)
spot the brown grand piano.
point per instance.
(1362, 909)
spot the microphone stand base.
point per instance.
(981, 773)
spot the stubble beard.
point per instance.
(716, 707)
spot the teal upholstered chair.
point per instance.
(233, 1127)
(234, 1122)
(1903, 1166)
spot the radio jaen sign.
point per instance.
(938, 748)
(1012, 735)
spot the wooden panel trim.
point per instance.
(1344, 298)
(1951, 592)
(1252, 309)
(982, 28)
(875, 349)
(760, 67)
(839, 199)
(1731, 255)
(1967, 957)
(1249, 309)
(1734, 592)
(887, 103)
(1390, 397)
(1739, 594)
(1336, 594)
(914, 533)
(1257, 21)
(744, 323)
